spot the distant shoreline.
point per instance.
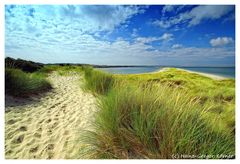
(122, 66)
(161, 69)
(213, 76)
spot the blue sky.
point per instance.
(186, 35)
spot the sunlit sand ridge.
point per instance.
(48, 127)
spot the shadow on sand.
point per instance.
(11, 101)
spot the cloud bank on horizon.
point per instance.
(187, 35)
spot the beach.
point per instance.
(48, 126)
(76, 119)
(119, 81)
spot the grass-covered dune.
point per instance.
(19, 83)
(97, 81)
(217, 94)
(23, 78)
(160, 115)
(153, 115)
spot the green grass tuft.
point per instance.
(153, 122)
(219, 94)
(97, 81)
(161, 115)
(19, 83)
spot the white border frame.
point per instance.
(147, 2)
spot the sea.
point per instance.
(228, 72)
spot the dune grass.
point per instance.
(154, 122)
(97, 81)
(19, 83)
(219, 94)
(61, 70)
(22, 84)
(161, 115)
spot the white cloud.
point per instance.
(197, 53)
(211, 12)
(85, 48)
(195, 16)
(162, 24)
(172, 8)
(147, 39)
(107, 17)
(53, 35)
(87, 18)
(134, 32)
(167, 8)
(175, 46)
(166, 37)
(221, 41)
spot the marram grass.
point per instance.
(157, 121)
(19, 83)
(97, 81)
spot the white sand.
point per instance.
(48, 127)
(162, 69)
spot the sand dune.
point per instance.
(213, 76)
(48, 126)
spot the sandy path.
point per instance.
(48, 127)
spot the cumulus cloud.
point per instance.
(172, 8)
(197, 53)
(167, 8)
(195, 16)
(147, 39)
(211, 12)
(175, 46)
(221, 41)
(87, 18)
(162, 24)
(165, 37)
(59, 33)
(103, 17)
(134, 32)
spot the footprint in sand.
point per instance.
(49, 120)
(54, 125)
(23, 128)
(39, 129)
(41, 121)
(49, 124)
(34, 149)
(18, 139)
(50, 147)
(11, 122)
(37, 135)
(49, 131)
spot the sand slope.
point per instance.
(48, 127)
